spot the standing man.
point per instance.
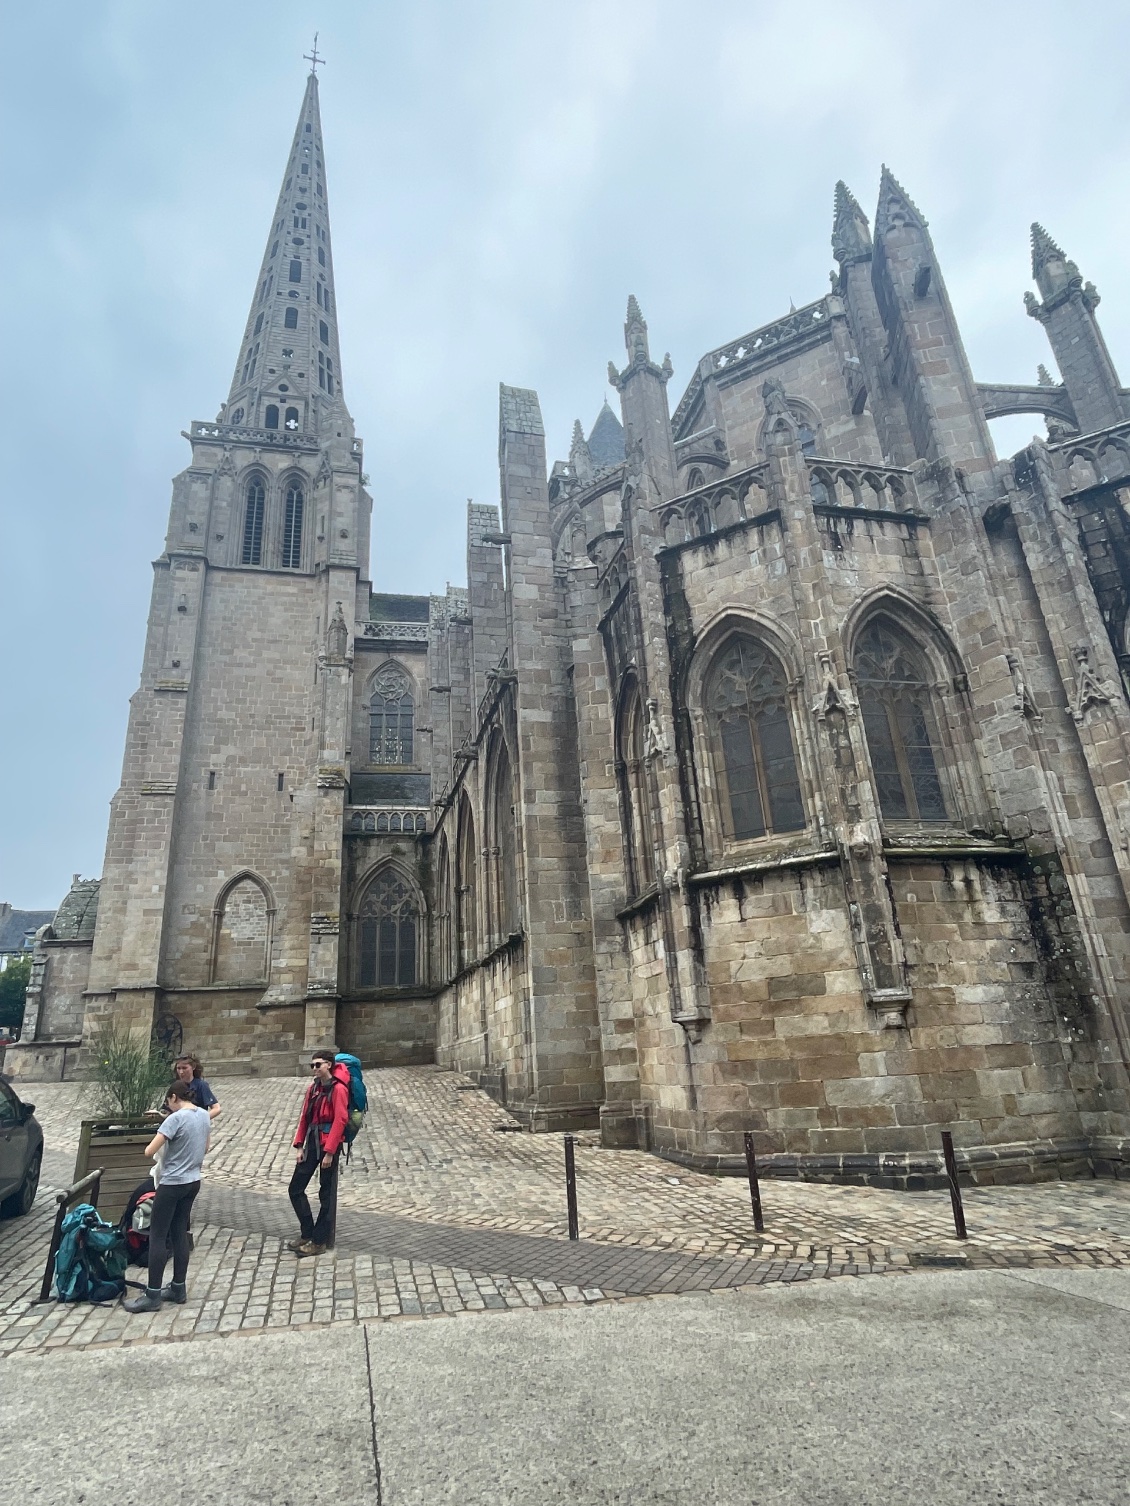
(317, 1145)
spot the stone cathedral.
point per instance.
(772, 771)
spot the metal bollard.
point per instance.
(955, 1189)
(754, 1185)
(571, 1187)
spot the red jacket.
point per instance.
(328, 1109)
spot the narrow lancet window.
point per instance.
(253, 523)
(292, 527)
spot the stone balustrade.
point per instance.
(374, 820)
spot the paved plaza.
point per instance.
(971, 1388)
(447, 1207)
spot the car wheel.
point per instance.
(20, 1202)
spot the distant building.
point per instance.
(17, 930)
(772, 771)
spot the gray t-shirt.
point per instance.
(187, 1134)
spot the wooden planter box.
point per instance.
(117, 1144)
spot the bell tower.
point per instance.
(220, 897)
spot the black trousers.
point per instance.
(321, 1232)
(168, 1227)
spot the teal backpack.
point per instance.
(91, 1263)
(358, 1098)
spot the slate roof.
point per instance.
(606, 442)
(17, 927)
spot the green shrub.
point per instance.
(13, 990)
(128, 1078)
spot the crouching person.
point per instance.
(184, 1134)
(317, 1146)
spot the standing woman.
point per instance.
(187, 1069)
(185, 1135)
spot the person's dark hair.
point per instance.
(181, 1091)
(194, 1063)
(323, 1055)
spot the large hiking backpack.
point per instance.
(91, 1263)
(135, 1223)
(358, 1098)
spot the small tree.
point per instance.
(13, 991)
(128, 1078)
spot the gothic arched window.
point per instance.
(241, 933)
(634, 803)
(271, 416)
(898, 716)
(255, 503)
(391, 716)
(292, 527)
(466, 887)
(290, 318)
(747, 703)
(387, 927)
(443, 909)
(504, 845)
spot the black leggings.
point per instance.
(168, 1226)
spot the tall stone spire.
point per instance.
(288, 373)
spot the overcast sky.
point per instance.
(502, 174)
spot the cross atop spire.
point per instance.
(288, 373)
(312, 56)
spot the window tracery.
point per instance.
(388, 927)
(747, 703)
(391, 716)
(896, 703)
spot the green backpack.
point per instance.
(91, 1263)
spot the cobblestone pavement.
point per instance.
(443, 1188)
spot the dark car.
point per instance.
(21, 1152)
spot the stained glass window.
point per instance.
(747, 701)
(898, 717)
(391, 716)
(387, 925)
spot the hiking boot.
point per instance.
(176, 1291)
(148, 1302)
(308, 1247)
